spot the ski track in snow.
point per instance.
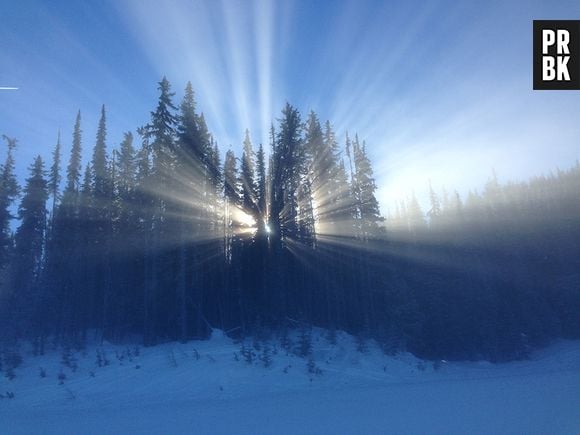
(174, 392)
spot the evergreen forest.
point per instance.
(163, 238)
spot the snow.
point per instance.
(200, 387)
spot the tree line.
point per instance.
(160, 239)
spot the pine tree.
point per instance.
(231, 188)
(86, 197)
(100, 176)
(247, 181)
(415, 218)
(204, 138)
(143, 159)
(162, 132)
(315, 194)
(317, 153)
(127, 166)
(30, 234)
(144, 235)
(163, 119)
(191, 162)
(63, 249)
(162, 264)
(87, 257)
(337, 210)
(435, 211)
(188, 132)
(126, 235)
(29, 240)
(112, 319)
(55, 176)
(368, 213)
(99, 189)
(9, 190)
(73, 173)
(216, 166)
(190, 169)
(288, 160)
(98, 212)
(261, 188)
(231, 200)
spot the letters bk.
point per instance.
(557, 54)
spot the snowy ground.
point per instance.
(202, 387)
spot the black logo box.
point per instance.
(573, 27)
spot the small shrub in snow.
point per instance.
(313, 369)
(266, 356)
(10, 373)
(421, 366)
(12, 359)
(286, 341)
(38, 345)
(361, 344)
(42, 372)
(129, 354)
(331, 336)
(287, 368)
(61, 377)
(68, 359)
(305, 344)
(79, 344)
(102, 359)
(172, 360)
(248, 354)
(70, 394)
(391, 342)
(7, 395)
(196, 355)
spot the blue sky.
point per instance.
(440, 90)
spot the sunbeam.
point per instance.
(254, 190)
